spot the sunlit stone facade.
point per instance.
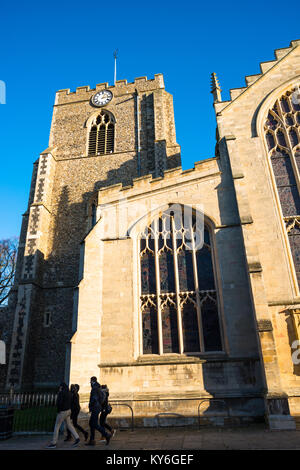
(176, 288)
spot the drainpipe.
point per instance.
(138, 134)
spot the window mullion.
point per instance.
(105, 138)
(96, 146)
(157, 278)
(196, 284)
(179, 318)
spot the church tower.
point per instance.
(99, 137)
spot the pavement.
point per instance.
(184, 438)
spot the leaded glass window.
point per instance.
(282, 131)
(179, 305)
(102, 134)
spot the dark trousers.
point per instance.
(103, 421)
(95, 425)
(74, 417)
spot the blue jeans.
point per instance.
(93, 423)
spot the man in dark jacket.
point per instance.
(75, 409)
(97, 398)
(63, 414)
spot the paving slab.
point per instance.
(170, 439)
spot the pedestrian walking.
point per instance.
(97, 398)
(106, 410)
(63, 415)
(75, 409)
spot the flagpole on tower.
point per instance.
(115, 56)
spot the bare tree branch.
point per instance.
(8, 258)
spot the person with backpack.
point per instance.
(63, 415)
(75, 409)
(97, 398)
(106, 410)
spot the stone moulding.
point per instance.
(153, 362)
(284, 303)
(220, 357)
(238, 175)
(292, 309)
(218, 227)
(255, 267)
(246, 219)
(264, 325)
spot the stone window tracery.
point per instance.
(282, 132)
(178, 300)
(102, 134)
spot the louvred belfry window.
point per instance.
(102, 134)
(179, 305)
(282, 132)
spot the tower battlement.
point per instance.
(121, 87)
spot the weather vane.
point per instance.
(115, 56)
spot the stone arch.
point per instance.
(178, 288)
(278, 125)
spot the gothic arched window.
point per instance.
(282, 132)
(178, 300)
(102, 134)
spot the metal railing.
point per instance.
(36, 412)
(213, 400)
(33, 412)
(28, 399)
(128, 406)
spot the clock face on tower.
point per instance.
(101, 98)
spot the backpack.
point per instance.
(106, 406)
(105, 392)
(101, 396)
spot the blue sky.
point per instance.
(49, 46)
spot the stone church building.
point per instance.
(171, 286)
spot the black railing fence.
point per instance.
(36, 413)
(33, 412)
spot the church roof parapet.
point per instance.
(265, 67)
(202, 169)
